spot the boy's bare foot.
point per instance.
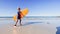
(14, 25)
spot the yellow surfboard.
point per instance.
(24, 12)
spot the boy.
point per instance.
(18, 16)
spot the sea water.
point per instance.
(50, 21)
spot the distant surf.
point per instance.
(33, 17)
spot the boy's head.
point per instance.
(18, 9)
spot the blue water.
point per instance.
(55, 20)
(33, 17)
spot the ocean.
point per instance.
(49, 23)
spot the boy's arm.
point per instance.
(22, 14)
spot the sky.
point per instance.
(35, 7)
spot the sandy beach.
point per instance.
(30, 26)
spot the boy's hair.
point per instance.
(18, 8)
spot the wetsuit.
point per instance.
(19, 16)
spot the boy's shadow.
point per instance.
(29, 23)
(58, 30)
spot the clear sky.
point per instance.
(36, 7)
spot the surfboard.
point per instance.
(24, 12)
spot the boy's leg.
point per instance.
(20, 22)
(16, 22)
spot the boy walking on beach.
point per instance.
(18, 16)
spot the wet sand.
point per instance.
(30, 26)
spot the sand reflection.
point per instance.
(15, 30)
